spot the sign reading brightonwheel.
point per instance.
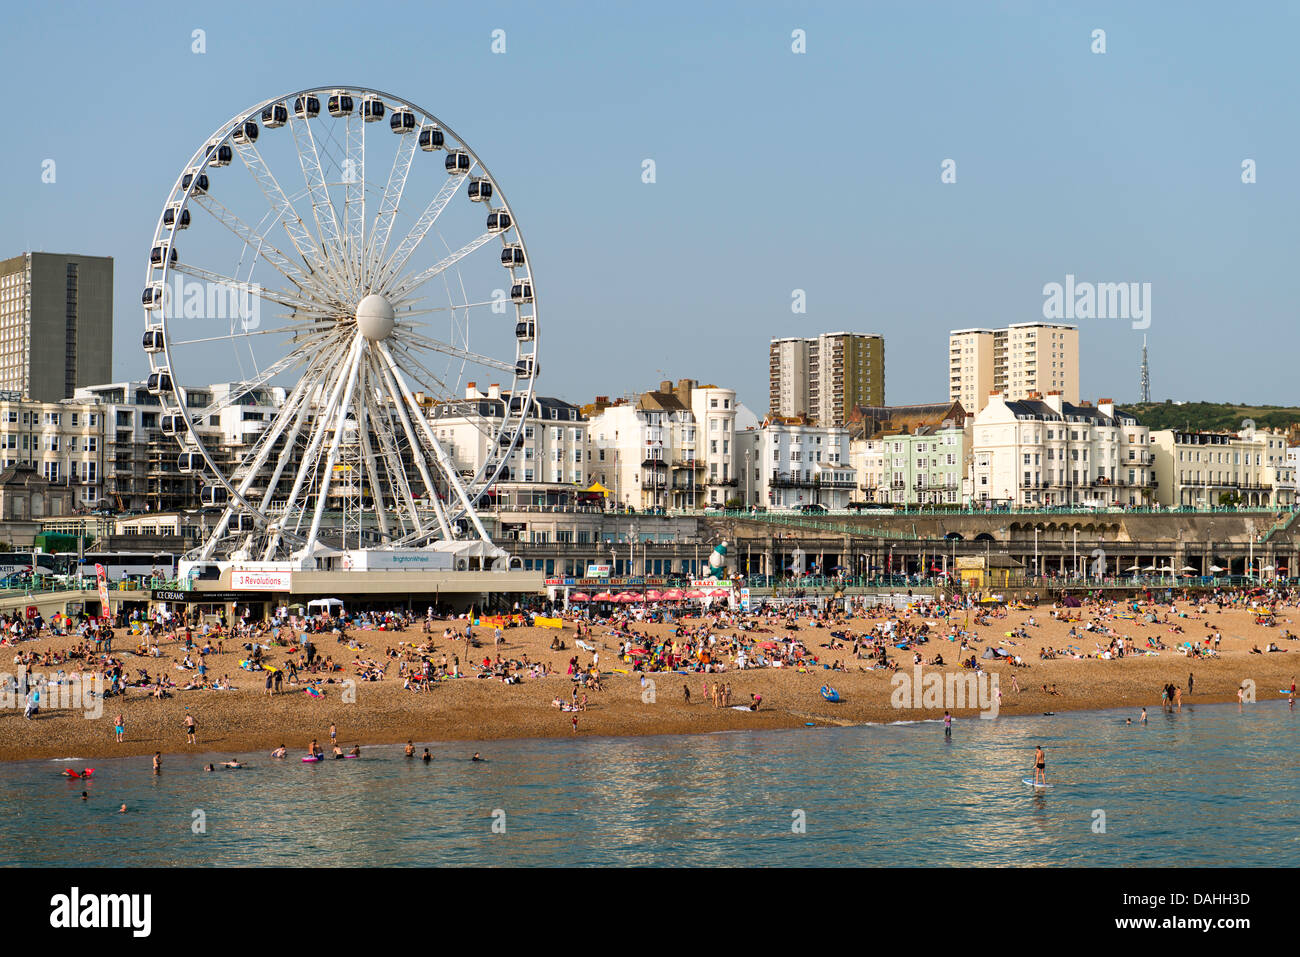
(348, 264)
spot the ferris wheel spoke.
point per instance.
(407, 337)
(354, 198)
(285, 212)
(447, 466)
(411, 241)
(308, 284)
(295, 358)
(300, 306)
(322, 207)
(409, 284)
(388, 206)
(324, 325)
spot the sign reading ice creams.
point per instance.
(260, 581)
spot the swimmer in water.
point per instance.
(233, 764)
(210, 767)
(1144, 715)
(410, 749)
(356, 751)
(427, 756)
(279, 752)
(122, 809)
(85, 796)
(476, 757)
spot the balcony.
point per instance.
(788, 480)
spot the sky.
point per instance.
(775, 170)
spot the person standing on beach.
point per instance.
(1191, 683)
(1040, 766)
(191, 732)
(119, 727)
(334, 734)
(1178, 698)
(947, 724)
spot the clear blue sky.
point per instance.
(775, 171)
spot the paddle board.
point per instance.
(1033, 784)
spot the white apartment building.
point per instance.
(1045, 451)
(714, 410)
(787, 464)
(62, 441)
(645, 451)
(1204, 469)
(548, 465)
(1022, 358)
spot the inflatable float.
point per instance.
(69, 773)
(310, 758)
(830, 694)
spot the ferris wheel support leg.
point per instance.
(448, 466)
(399, 402)
(368, 455)
(354, 364)
(305, 465)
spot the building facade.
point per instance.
(644, 450)
(1045, 451)
(911, 455)
(56, 324)
(825, 377)
(789, 463)
(1203, 469)
(548, 465)
(1015, 361)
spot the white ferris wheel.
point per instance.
(361, 268)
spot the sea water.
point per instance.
(1210, 786)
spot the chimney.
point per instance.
(666, 385)
(1037, 395)
(494, 390)
(1054, 401)
(684, 388)
(1106, 407)
(471, 392)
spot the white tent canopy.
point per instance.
(324, 603)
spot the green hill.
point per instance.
(1212, 416)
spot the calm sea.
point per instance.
(1206, 787)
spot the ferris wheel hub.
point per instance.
(376, 318)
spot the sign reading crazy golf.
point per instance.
(260, 581)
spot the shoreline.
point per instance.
(770, 719)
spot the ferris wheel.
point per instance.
(360, 271)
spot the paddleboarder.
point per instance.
(1040, 766)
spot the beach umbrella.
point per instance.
(1215, 568)
(579, 596)
(695, 593)
(653, 595)
(1149, 568)
(673, 594)
(1133, 568)
(1188, 568)
(1268, 568)
(625, 598)
(604, 596)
